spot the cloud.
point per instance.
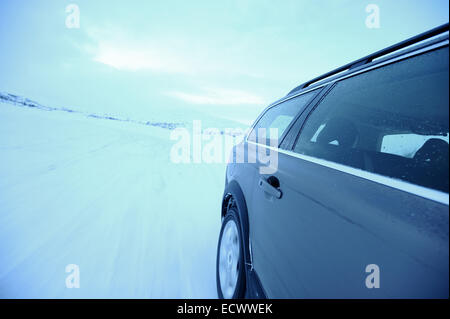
(126, 59)
(173, 54)
(219, 96)
(115, 48)
(137, 58)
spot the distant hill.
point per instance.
(25, 102)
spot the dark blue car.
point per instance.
(349, 198)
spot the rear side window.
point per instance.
(393, 121)
(280, 116)
(406, 145)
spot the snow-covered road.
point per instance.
(102, 195)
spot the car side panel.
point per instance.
(316, 241)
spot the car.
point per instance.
(355, 202)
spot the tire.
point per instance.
(229, 267)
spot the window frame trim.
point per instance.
(294, 119)
(414, 189)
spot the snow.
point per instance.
(103, 195)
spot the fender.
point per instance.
(234, 189)
(254, 289)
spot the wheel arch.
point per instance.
(233, 195)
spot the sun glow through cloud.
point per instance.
(220, 97)
(126, 60)
(136, 58)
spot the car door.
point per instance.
(352, 212)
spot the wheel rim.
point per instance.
(229, 259)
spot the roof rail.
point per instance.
(369, 58)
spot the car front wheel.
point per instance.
(230, 258)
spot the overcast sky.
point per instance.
(140, 57)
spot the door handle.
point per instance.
(271, 186)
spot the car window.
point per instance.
(278, 117)
(406, 145)
(392, 121)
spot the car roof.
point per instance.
(417, 42)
